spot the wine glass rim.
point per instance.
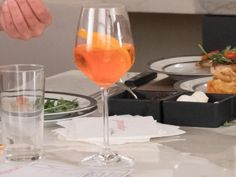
(103, 5)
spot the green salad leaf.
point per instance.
(60, 105)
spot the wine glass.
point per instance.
(104, 52)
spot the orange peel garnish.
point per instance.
(98, 40)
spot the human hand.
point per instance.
(0, 21)
(24, 19)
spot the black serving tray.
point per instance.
(214, 113)
(148, 104)
(233, 109)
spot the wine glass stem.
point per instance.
(106, 132)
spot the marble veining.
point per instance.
(216, 7)
(227, 7)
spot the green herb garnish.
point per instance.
(225, 57)
(231, 123)
(61, 105)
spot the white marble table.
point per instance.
(217, 7)
(201, 152)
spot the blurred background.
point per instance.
(160, 29)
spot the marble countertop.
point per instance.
(217, 7)
(199, 152)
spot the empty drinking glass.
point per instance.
(21, 107)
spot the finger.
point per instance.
(34, 24)
(18, 19)
(40, 11)
(28, 14)
(7, 22)
(1, 28)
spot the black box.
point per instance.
(214, 113)
(148, 104)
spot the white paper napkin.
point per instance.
(123, 129)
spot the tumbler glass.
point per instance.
(22, 111)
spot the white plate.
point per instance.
(54, 120)
(192, 85)
(86, 105)
(180, 67)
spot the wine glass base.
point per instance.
(108, 159)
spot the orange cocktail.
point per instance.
(104, 60)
